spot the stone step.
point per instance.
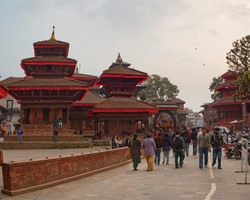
(45, 138)
(45, 145)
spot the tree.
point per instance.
(159, 87)
(243, 87)
(238, 56)
(238, 61)
(215, 82)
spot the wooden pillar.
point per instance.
(68, 121)
(53, 114)
(22, 116)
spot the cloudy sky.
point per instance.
(184, 40)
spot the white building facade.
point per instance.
(12, 114)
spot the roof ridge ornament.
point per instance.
(53, 35)
(119, 59)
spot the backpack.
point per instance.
(215, 139)
(178, 144)
(187, 138)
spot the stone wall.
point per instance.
(20, 177)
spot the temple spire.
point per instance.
(53, 35)
(119, 59)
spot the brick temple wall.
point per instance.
(123, 126)
(20, 177)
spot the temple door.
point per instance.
(45, 116)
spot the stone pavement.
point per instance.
(164, 182)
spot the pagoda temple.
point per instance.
(228, 108)
(120, 113)
(48, 89)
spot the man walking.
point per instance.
(179, 146)
(203, 146)
(217, 143)
(187, 140)
(194, 139)
(159, 144)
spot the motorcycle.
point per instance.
(233, 149)
(238, 151)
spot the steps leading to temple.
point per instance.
(45, 138)
(45, 145)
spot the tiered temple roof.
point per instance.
(119, 82)
(124, 105)
(226, 89)
(48, 75)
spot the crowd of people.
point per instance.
(154, 143)
(117, 142)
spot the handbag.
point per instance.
(128, 154)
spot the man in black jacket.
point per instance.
(217, 143)
(194, 139)
(179, 146)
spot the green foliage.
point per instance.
(215, 82)
(159, 87)
(238, 61)
(238, 56)
(243, 87)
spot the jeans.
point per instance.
(217, 152)
(157, 155)
(178, 154)
(19, 138)
(205, 152)
(166, 154)
(187, 148)
(194, 148)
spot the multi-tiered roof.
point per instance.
(49, 75)
(227, 90)
(119, 82)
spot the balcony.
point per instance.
(14, 110)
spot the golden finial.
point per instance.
(53, 35)
(77, 70)
(119, 59)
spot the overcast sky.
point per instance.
(184, 40)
